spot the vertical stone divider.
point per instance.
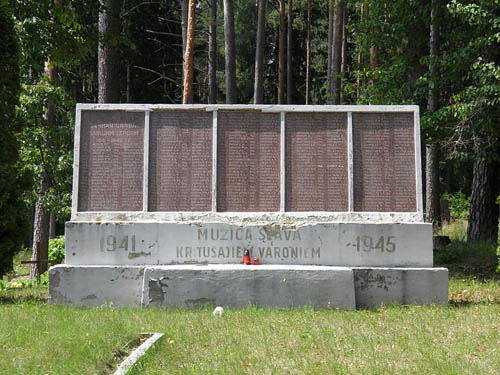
(350, 164)
(214, 160)
(418, 162)
(145, 172)
(76, 160)
(282, 162)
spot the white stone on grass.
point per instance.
(218, 311)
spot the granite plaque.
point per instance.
(111, 161)
(248, 161)
(384, 162)
(180, 161)
(316, 162)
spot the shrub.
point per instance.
(56, 249)
(458, 204)
(498, 254)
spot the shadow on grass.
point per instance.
(32, 299)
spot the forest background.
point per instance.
(441, 55)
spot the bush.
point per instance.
(498, 254)
(56, 249)
(458, 204)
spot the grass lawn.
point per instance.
(460, 338)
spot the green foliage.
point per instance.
(458, 204)
(474, 107)
(13, 223)
(46, 149)
(498, 254)
(56, 249)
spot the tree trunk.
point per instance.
(129, 83)
(289, 55)
(343, 65)
(331, 12)
(484, 212)
(184, 21)
(336, 56)
(230, 51)
(308, 49)
(433, 194)
(212, 53)
(108, 52)
(40, 235)
(184, 25)
(258, 91)
(52, 226)
(360, 57)
(281, 58)
(187, 96)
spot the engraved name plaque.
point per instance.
(248, 161)
(111, 161)
(316, 162)
(384, 162)
(180, 161)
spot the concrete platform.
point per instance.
(282, 286)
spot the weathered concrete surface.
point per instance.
(95, 285)
(240, 286)
(375, 286)
(167, 243)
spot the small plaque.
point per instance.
(111, 161)
(248, 161)
(180, 161)
(384, 162)
(316, 162)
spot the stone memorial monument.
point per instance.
(167, 198)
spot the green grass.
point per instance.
(462, 259)
(461, 338)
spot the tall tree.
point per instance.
(258, 91)
(343, 67)
(334, 84)
(41, 222)
(331, 14)
(212, 53)
(432, 206)
(289, 55)
(108, 52)
(187, 97)
(230, 51)
(308, 49)
(281, 55)
(472, 68)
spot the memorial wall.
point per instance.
(237, 205)
(247, 159)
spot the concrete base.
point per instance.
(239, 286)
(307, 243)
(375, 286)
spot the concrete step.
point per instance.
(236, 285)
